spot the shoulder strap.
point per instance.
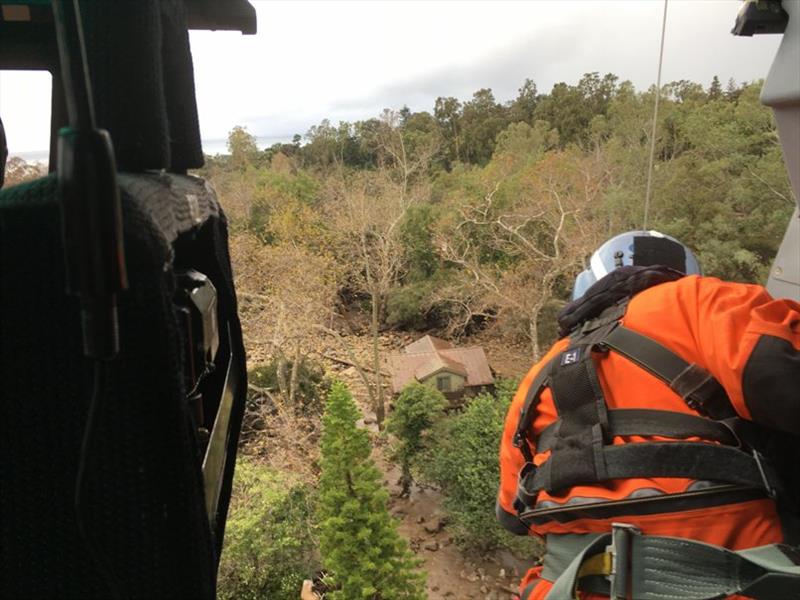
(693, 383)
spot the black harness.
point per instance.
(726, 467)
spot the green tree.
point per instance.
(242, 147)
(361, 548)
(417, 408)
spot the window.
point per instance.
(443, 383)
(25, 110)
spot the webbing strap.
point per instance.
(578, 398)
(690, 460)
(528, 411)
(693, 383)
(645, 422)
(655, 567)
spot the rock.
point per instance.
(434, 526)
(421, 519)
(484, 589)
(502, 573)
(473, 578)
(370, 421)
(481, 573)
(432, 546)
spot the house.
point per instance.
(455, 372)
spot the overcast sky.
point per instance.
(349, 60)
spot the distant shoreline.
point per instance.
(211, 147)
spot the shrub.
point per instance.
(416, 409)
(361, 549)
(270, 538)
(464, 464)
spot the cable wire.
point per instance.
(648, 193)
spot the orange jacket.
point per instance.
(747, 340)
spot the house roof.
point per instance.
(431, 355)
(437, 363)
(427, 343)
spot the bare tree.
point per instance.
(515, 245)
(286, 294)
(367, 210)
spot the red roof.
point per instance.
(430, 355)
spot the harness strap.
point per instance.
(657, 567)
(690, 460)
(528, 411)
(695, 385)
(578, 453)
(645, 422)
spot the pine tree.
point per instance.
(361, 548)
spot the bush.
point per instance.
(464, 464)
(416, 409)
(271, 538)
(361, 549)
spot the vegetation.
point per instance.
(463, 464)
(271, 537)
(480, 213)
(365, 556)
(472, 217)
(416, 409)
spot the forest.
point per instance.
(468, 221)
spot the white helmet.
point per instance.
(641, 248)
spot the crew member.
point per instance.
(645, 446)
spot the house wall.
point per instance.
(456, 381)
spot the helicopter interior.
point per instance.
(124, 376)
(121, 354)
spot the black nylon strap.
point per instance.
(633, 421)
(528, 411)
(690, 460)
(695, 385)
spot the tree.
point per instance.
(242, 147)
(715, 89)
(271, 537)
(417, 408)
(463, 463)
(447, 112)
(527, 231)
(360, 545)
(522, 108)
(368, 210)
(286, 293)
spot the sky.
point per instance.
(348, 60)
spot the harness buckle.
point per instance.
(621, 551)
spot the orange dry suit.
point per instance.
(646, 430)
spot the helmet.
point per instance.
(641, 248)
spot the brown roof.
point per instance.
(440, 356)
(437, 363)
(427, 343)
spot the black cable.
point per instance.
(88, 452)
